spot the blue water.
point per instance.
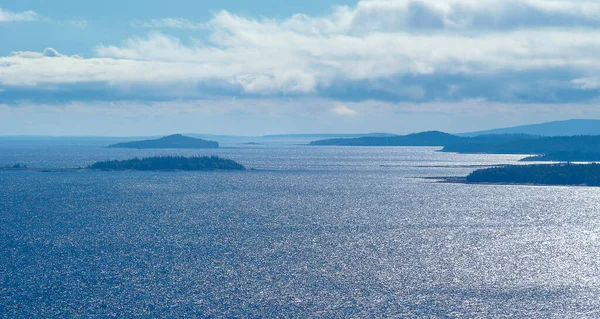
(313, 232)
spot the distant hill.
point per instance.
(557, 128)
(171, 141)
(431, 138)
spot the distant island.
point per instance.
(170, 163)
(171, 141)
(556, 174)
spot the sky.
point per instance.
(149, 67)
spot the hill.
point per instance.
(557, 128)
(171, 141)
(162, 163)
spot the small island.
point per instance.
(553, 174)
(171, 141)
(170, 163)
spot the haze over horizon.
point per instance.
(237, 68)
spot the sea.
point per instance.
(306, 232)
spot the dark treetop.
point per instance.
(171, 141)
(557, 174)
(203, 163)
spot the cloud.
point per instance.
(343, 110)
(377, 15)
(590, 83)
(8, 16)
(528, 51)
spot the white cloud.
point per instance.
(587, 83)
(287, 62)
(372, 41)
(8, 16)
(377, 15)
(343, 110)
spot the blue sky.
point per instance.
(266, 67)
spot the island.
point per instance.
(547, 174)
(170, 163)
(171, 141)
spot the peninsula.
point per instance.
(555, 174)
(170, 163)
(565, 157)
(431, 138)
(580, 148)
(171, 141)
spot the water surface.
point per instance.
(331, 232)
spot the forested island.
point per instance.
(170, 163)
(556, 174)
(171, 141)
